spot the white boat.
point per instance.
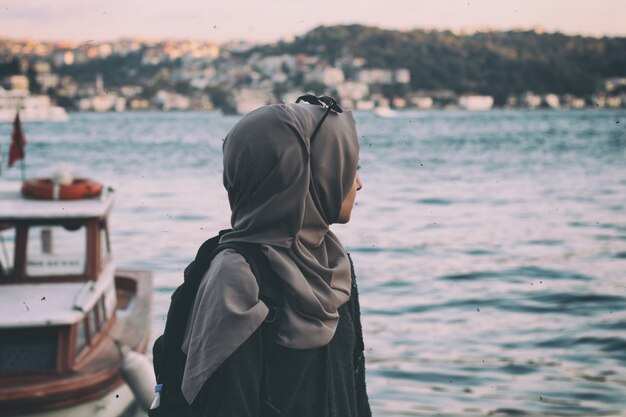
(32, 108)
(476, 102)
(385, 112)
(64, 308)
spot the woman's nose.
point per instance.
(359, 184)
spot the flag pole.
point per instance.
(23, 141)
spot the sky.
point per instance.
(266, 21)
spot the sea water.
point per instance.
(490, 247)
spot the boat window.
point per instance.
(81, 336)
(28, 350)
(56, 250)
(104, 244)
(93, 318)
(7, 248)
(102, 311)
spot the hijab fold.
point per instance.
(270, 165)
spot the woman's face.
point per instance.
(348, 202)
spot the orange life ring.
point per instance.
(46, 189)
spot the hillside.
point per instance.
(493, 63)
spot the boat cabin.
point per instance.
(64, 307)
(57, 281)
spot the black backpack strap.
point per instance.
(168, 359)
(194, 272)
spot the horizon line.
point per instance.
(463, 31)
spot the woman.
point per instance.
(284, 191)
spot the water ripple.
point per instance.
(513, 275)
(490, 247)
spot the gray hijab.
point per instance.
(284, 192)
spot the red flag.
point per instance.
(18, 142)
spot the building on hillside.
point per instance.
(104, 50)
(166, 100)
(200, 101)
(475, 102)
(375, 76)
(270, 65)
(304, 61)
(80, 56)
(615, 102)
(613, 84)
(402, 76)
(552, 101)
(31, 108)
(67, 87)
(352, 90)
(206, 51)
(61, 58)
(279, 77)
(139, 104)
(248, 99)
(422, 102)
(573, 102)
(380, 100)
(18, 82)
(398, 102)
(102, 103)
(291, 96)
(529, 100)
(152, 56)
(42, 67)
(47, 80)
(130, 91)
(327, 76)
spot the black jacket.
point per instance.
(323, 382)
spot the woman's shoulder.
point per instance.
(229, 260)
(229, 269)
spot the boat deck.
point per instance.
(15, 207)
(98, 373)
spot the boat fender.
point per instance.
(138, 374)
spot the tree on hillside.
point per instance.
(494, 63)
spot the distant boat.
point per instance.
(385, 112)
(475, 102)
(32, 108)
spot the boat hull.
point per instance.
(113, 403)
(96, 387)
